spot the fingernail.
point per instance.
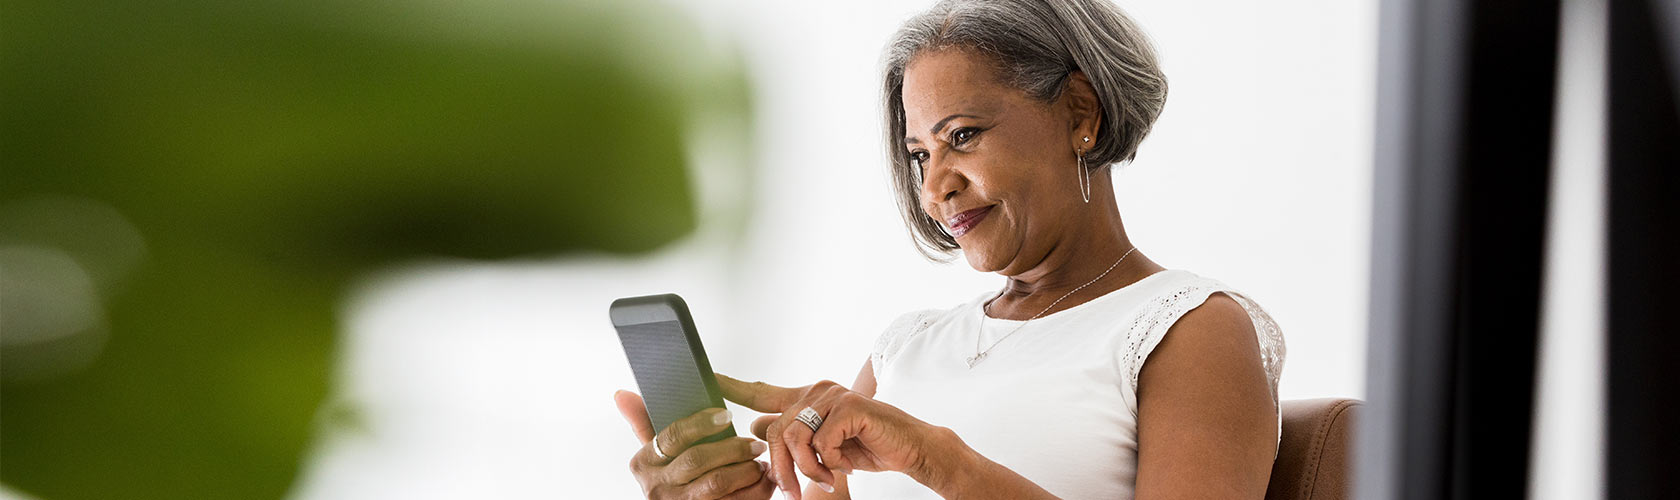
(761, 467)
(825, 487)
(758, 448)
(721, 418)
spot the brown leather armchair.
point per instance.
(1316, 454)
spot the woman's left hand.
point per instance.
(857, 432)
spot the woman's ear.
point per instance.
(1084, 110)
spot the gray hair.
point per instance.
(1036, 45)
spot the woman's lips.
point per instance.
(961, 223)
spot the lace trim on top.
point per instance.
(900, 331)
(1160, 313)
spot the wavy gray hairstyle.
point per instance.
(1035, 45)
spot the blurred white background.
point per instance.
(494, 380)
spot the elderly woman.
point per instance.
(1093, 373)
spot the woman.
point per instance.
(1093, 373)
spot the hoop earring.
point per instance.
(1084, 176)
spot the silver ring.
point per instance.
(656, 450)
(810, 418)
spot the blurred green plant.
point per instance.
(187, 188)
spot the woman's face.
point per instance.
(998, 167)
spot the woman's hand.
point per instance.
(857, 433)
(722, 469)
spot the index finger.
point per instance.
(761, 397)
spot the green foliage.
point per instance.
(267, 152)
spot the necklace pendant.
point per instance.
(972, 360)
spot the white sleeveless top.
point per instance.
(1057, 401)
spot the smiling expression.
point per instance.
(998, 166)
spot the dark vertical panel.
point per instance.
(1505, 169)
(1643, 454)
(1464, 142)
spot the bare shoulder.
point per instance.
(1212, 348)
(1205, 409)
(1219, 324)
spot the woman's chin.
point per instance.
(983, 259)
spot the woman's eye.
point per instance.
(917, 158)
(962, 135)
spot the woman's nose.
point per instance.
(940, 181)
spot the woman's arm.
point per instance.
(1207, 427)
(956, 471)
(859, 432)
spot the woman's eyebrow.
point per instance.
(937, 126)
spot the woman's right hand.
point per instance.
(718, 470)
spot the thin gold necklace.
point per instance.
(980, 354)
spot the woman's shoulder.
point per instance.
(1179, 293)
(907, 325)
(1176, 279)
(1171, 293)
(1150, 298)
(913, 322)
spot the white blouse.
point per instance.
(1056, 401)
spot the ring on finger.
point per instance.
(656, 451)
(810, 418)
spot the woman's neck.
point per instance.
(1072, 263)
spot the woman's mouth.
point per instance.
(961, 223)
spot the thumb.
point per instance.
(630, 405)
(761, 397)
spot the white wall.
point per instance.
(494, 380)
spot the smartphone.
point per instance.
(667, 359)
